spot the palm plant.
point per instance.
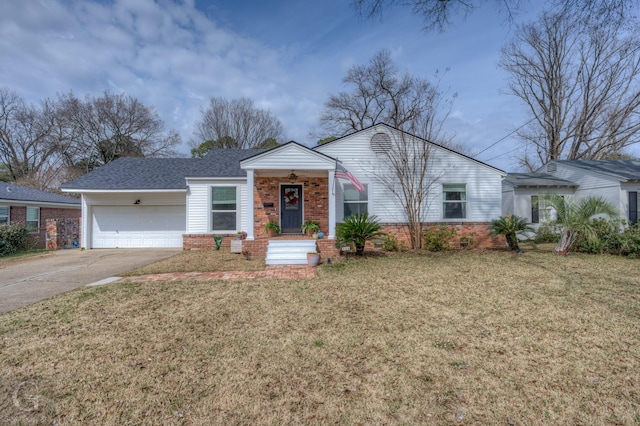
(358, 229)
(575, 218)
(510, 226)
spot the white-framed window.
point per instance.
(33, 219)
(355, 202)
(224, 208)
(454, 201)
(4, 215)
(541, 212)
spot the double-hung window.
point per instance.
(540, 211)
(4, 215)
(33, 218)
(224, 208)
(454, 201)
(355, 202)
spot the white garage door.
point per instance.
(138, 226)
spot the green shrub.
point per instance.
(630, 241)
(547, 233)
(438, 237)
(613, 237)
(13, 238)
(357, 229)
(390, 243)
(608, 237)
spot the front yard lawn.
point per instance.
(449, 338)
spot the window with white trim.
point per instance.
(224, 208)
(33, 218)
(454, 201)
(541, 211)
(4, 215)
(355, 202)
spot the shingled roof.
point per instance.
(520, 180)
(162, 173)
(622, 169)
(10, 192)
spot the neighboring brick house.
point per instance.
(184, 202)
(33, 207)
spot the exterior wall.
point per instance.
(522, 199)
(478, 231)
(315, 194)
(18, 214)
(199, 205)
(483, 183)
(590, 184)
(624, 198)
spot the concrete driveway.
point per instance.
(29, 280)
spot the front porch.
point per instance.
(257, 248)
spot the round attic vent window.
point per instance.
(380, 143)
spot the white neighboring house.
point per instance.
(155, 202)
(617, 181)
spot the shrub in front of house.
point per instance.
(547, 233)
(13, 238)
(613, 237)
(438, 237)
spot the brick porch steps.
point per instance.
(289, 252)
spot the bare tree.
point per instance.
(406, 172)
(112, 126)
(418, 110)
(579, 83)
(237, 120)
(381, 95)
(439, 15)
(29, 149)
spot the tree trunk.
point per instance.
(512, 242)
(567, 239)
(359, 250)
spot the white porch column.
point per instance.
(249, 223)
(332, 206)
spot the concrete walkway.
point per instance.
(274, 271)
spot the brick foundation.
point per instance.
(477, 232)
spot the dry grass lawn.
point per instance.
(201, 261)
(453, 338)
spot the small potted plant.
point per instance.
(313, 258)
(309, 227)
(272, 228)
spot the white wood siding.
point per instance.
(199, 204)
(291, 156)
(483, 183)
(591, 184)
(521, 201)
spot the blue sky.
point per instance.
(286, 55)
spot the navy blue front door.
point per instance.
(291, 209)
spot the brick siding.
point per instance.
(19, 214)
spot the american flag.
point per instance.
(342, 173)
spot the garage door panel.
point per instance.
(138, 226)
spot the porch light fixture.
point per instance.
(293, 177)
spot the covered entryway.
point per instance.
(291, 198)
(138, 226)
